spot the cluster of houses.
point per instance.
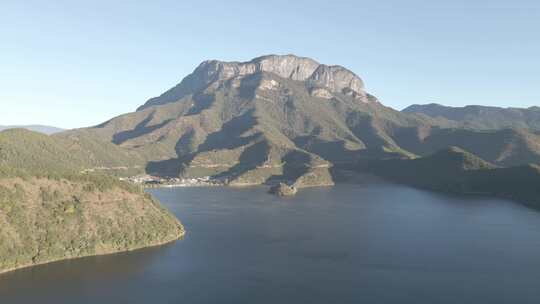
(151, 180)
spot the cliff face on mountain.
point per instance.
(284, 119)
(318, 76)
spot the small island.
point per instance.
(283, 189)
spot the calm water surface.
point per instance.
(369, 243)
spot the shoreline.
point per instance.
(161, 243)
(355, 177)
(359, 178)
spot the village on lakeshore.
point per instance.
(149, 181)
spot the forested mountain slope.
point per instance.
(50, 211)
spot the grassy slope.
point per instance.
(35, 152)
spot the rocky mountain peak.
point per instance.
(333, 78)
(338, 79)
(287, 66)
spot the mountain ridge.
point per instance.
(482, 117)
(48, 130)
(458, 171)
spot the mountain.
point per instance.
(482, 117)
(48, 130)
(269, 119)
(284, 118)
(51, 211)
(322, 80)
(458, 171)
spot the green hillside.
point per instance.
(45, 220)
(503, 147)
(50, 211)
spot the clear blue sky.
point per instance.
(78, 63)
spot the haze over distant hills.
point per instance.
(482, 117)
(37, 128)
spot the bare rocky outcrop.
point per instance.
(338, 79)
(321, 93)
(334, 78)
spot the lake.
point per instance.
(372, 242)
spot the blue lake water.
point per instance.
(372, 242)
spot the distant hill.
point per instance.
(458, 171)
(37, 128)
(503, 147)
(482, 117)
(36, 152)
